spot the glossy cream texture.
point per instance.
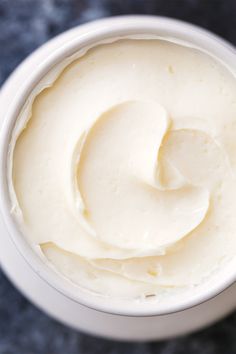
(124, 173)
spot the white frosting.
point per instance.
(123, 170)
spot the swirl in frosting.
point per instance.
(124, 173)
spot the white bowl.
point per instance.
(104, 316)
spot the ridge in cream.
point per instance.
(122, 168)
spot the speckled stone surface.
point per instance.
(25, 25)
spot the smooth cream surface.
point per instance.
(124, 173)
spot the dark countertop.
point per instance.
(25, 25)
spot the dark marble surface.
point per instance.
(25, 25)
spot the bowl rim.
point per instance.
(97, 31)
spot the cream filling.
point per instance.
(123, 173)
